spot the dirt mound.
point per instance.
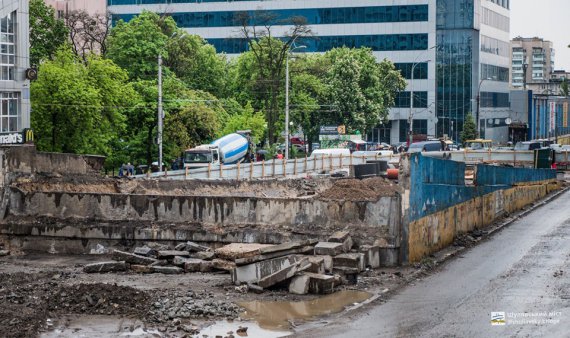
(370, 189)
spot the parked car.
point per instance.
(528, 145)
(297, 140)
(426, 146)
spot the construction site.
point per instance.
(84, 254)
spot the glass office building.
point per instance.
(14, 61)
(452, 43)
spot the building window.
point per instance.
(420, 72)
(402, 100)
(9, 114)
(7, 47)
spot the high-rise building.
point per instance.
(65, 6)
(452, 45)
(14, 70)
(532, 61)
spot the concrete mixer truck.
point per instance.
(230, 149)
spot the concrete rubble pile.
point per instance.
(3, 252)
(303, 267)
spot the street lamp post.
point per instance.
(410, 117)
(479, 106)
(160, 114)
(287, 99)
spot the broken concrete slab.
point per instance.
(179, 260)
(206, 266)
(350, 260)
(299, 285)
(389, 256)
(371, 256)
(328, 262)
(222, 264)
(283, 247)
(166, 254)
(145, 251)
(105, 267)
(282, 274)
(342, 237)
(259, 258)
(192, 264)
(4, 253)
(141, 268)
(132, 258)
(195, 247)
(160, 262)
(316, 264)
(258, 270)
(254, 288)
(235, 251)
(205, 255)
(329, 248)
(167, 270)
(320, 284)
(180, 247)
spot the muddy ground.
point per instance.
(38, 290)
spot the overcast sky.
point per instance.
(548, 19)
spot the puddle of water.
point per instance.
(275, 315)
(222, 328)
(99, 326)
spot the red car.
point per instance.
(297, 140)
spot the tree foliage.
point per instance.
(78, 107)
(135, 45)
(469, 129)
(564, 87)
(47, 33)
(247, 119)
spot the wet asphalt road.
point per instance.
(525, 268)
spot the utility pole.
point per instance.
(160, 114)
(287, 106)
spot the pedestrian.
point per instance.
(130, 169)
(122, 170)
(279, 155)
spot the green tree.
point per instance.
(47, 33)
(78, 107)
(247, 120)
(196, 63)
(361, 89)
(135, 45)
(469, 129)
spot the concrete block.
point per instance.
(235, 251)
(105, 267)
(192, 264)
(389, 256)
(132, 258)
(167, 270)
(222, 264)
(371, 256)
(316, 264)
(168, 254)
(328, 262)
(141, 268)
(205, 255)
(329, 248)
(320, 284)
(264, 257)
(206, 266)
(350, 260)
(342, 237)
(160, 262)
(258, 270)
(299, 285)
(179, 260)
(283, 247)
(282, 274)
(145, 251)
(4, 253)
(195, 247)
(180, 247)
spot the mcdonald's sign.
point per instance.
(25, 136)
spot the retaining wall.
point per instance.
(442, 207)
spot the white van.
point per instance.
(335, 152)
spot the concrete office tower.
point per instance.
(65, 6)
(14, 64)
(533, 56)
(465, 40)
